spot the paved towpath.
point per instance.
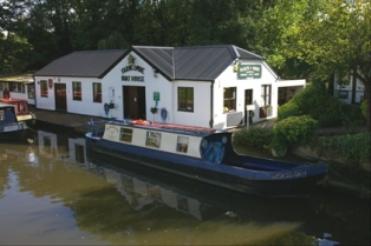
(76, 121)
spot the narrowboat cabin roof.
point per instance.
(166, 127)
(5, 105)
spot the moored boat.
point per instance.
(10, 127)
(202, 154)
(21, 109)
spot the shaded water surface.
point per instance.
(52, 192)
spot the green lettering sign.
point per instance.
(245, 71)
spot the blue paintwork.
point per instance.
(218, 164)
(9, 120)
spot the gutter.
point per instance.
(211, 122)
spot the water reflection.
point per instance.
(98, 201)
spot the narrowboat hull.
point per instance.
(225, 176)
(14, 131)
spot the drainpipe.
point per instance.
(211, 122)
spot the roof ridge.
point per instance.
(152, 47)
(247, 51)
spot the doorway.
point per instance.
(134, 102)
(60, 97)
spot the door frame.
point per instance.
(141, 109)
(56, 97)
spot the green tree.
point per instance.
(315, 39)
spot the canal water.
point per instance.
(53, 192)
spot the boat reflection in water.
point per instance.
(110, 204)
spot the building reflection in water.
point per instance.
(54, 154)
(138, 192)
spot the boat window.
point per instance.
(2, 113)
(153, 139)
(182, 144)
(126, 135)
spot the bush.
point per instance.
(253, 137)
(290, 108)
(352, 115)
(364, 108)
(316, 102)
(295, 129)
(351, 147)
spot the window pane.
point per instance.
(182, 144)
(126, 135)
(229, 99)
(266, 94)
(97, 92)
(31, 91)
(43, 88)
(153, 139)
(76, 90)
(185, 99)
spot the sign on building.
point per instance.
(246, 70)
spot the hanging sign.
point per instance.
(132, 67)
(246, 70)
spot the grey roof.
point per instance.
(175, 63)
(194, 62)
(90, 63)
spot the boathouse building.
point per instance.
(218, 86)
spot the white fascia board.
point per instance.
(291, 83)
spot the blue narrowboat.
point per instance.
(10, 127)
(202, 154)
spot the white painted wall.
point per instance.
(152, 82)
(201, 104)
(338, 88)
(229, 79)
(112, 91)
(86, 106)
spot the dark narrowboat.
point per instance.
(202, 154)
(10, 127)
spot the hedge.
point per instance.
(351, 147)
(255, 137)
(290, 131)
(316, 102)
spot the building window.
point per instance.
(182, 144)
(248, 97)
(76, 90)
(230, 99)
(185, 99)
(31, 91)
(267, 95)
(153, 139)
(126, 135)
(43, 88)
(97, 92)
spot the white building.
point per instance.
(20, 86)
(209, 86)
(349, 89)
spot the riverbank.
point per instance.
(75, 122)
(344, 177)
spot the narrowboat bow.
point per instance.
(10, 127)
(202, 154)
